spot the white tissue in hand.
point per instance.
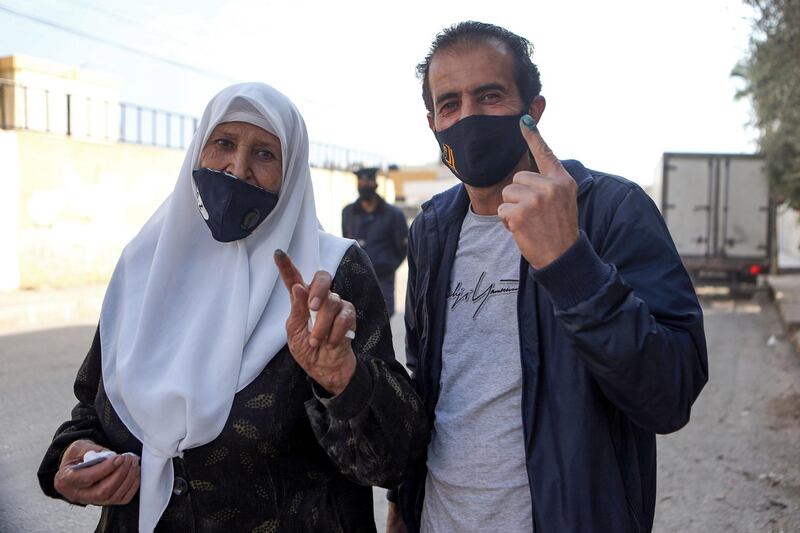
(91, 454)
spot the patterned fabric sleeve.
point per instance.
(374, 428)
(85, 424)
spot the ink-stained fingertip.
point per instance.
(528, 122)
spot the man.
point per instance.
(380, 229)
(551, 327)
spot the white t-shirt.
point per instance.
(477, 479)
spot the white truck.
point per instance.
(719, 211)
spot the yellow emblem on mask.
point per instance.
(448, 157)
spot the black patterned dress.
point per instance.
(288, 459)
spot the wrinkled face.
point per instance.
(472, 79)
(248, 152)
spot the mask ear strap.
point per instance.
(198, 198)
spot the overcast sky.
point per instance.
(624, 80)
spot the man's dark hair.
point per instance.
(526, 74)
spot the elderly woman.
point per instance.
(259, 396)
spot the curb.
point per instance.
(24, 311)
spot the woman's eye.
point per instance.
(224, 143)
(265, 155)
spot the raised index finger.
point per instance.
(546, 160)
(289, 273)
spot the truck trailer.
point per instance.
(719, 211)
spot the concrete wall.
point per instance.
(9, 212)
(403, 177)
(68, 207)
(81, 202)
(71, 195)
(333, 190)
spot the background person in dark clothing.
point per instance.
(380, 229)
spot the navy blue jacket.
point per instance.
(382, 234)
(612, 351)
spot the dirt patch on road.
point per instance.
(785, 409)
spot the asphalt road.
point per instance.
(734, 468)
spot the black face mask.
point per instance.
(366, 193)
(232, 208)
(481, 150)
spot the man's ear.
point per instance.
(430, 122)
(536, 109)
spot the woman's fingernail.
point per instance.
(528, 122)
(118, 460)
(280, 253)
(313, 342)
(314, 305)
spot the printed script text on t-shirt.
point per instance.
(481, 293)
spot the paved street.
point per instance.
(734, 468)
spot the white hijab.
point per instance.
(188, 321)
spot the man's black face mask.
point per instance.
(481, 150)
(367, 192)
(232, 208)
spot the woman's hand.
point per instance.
(324, 352)
(113, 481)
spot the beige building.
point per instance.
(82, 172)
(415, 185)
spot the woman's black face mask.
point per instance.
(232, 208)
(481, 150)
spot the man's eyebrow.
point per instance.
(446, 96)
(494, 86)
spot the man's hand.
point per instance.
(113, 481)
(540, 208)
(324, 352)
(394, 522)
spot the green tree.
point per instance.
(771, 72)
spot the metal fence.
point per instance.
(24, 107)
(155, 127)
